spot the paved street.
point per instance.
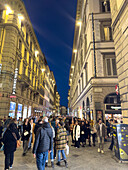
(79, 159)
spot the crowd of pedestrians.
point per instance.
(51, 136)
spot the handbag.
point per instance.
(67, 150)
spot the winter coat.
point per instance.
(26, 128)
(10, 143)
(61, 138)
(44, 139)
(87, 131)
(98, 130)
(37, 126)
(77, 135)
(82, 133)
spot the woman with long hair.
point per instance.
(10, 138)
(26, 135)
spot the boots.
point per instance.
(66, 164)
(58, 163)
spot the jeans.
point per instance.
(100, 142)
(25, 146)
(40, 160)
(59, 155)
(9, 160)
(30, 141)
(51, 156)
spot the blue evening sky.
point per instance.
(54, 23)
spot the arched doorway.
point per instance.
(112, 106)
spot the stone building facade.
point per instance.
(93, 74)
(119, 10)
(26, 82)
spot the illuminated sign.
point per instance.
(15, 81)
(12, 109)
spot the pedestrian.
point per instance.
(56, 128)
(71, 129)
(93, 132)
(10, 138)
(32, 137)
(61, 141)
(82, 133)
(100, 136)
(20, 125)
(88, 132)
(43, 144)
(51, 153)
(76, 134)
(1, 131)
(26, 135)
(38, 125)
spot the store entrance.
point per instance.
(113, 106)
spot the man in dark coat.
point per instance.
(10, 138)
(43, 144)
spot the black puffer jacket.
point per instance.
(43, 139)
(9, 140)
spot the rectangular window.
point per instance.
(20, 45)
(105, 5)
(25, 54)
(86, 75)
(27, 38)
(110, 66)
(32, 80)
(107, 33)
(30, 61)
(31, 46)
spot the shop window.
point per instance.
(110, 66)
(105, 5)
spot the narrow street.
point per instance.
(79, 159)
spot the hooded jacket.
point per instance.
(43, 139)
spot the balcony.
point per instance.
(25, 81)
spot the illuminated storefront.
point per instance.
(19, 111)
(12, 109)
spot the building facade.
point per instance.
(93, 73)
(119, 10)
(26, 82)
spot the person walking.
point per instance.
(82, 133)
(26, 135)
(56, 128)
(100, 136)
(1, 131)
(10, 138)
(31, 138)
(61, 141)
(51, 153)
(43, 144)
(76, 134)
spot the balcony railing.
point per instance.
(25, 79)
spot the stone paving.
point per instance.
(85, 158)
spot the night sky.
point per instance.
(54, 23)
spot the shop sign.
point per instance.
(12, 109)
(15, 81)
(117, 89)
